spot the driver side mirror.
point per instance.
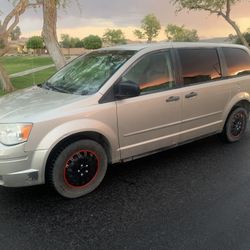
(126, 89)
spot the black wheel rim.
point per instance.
(81, 168)
(238, 124)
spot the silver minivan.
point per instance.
(117, 104)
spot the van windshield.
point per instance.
(87, 74)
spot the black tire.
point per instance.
(236, 125)
(78, 169)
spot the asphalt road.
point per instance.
(193, 197)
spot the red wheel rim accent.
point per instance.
(71, 159)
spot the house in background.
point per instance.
(18, 47)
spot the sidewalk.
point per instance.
(30, 71)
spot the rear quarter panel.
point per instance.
(240, 91)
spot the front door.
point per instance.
(152, 120)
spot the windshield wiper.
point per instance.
(49, 86)
(58, 89)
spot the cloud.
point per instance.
(97, 15)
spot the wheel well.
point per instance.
(244, 104)
(241, 104)
(99, 138)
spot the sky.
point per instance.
(95, 16)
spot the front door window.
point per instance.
(153, 73)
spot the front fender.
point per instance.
(57, 134)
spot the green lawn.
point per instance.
(29, 80)
(15, 64)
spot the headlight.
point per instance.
(13, 134)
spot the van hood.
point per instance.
(22, 105)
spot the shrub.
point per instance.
(92, 42)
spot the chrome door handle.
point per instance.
(173, 99)
(190, 95)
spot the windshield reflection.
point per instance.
(87, 74)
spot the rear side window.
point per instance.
(238, 61)
(199, 65)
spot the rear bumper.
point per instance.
(19, 168)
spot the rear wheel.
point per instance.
(78, 169)
(236, 125)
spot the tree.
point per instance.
(112, 36)
(76, 42)
(6, 27)
(15, 34)
(139, 34)
(231, 37)
(70, 42)
(79, 43)
(181, 34)
(150, 26)
(35, 43)
(65, 41)
(219, 7)
(246, 36)
(92, 42)
(49, 31)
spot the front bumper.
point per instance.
(19, 168)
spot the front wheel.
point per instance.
(78, 169)
(236, 125)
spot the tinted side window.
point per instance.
(238, 61)
(153, 72)
(199, 65)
